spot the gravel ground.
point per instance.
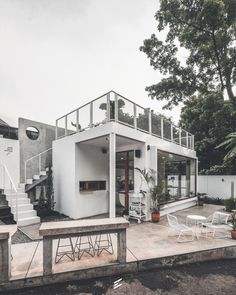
(209, 278)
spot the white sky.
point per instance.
(56, 55)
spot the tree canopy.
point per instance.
(211, 119)
(207, 30)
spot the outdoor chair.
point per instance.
(103, 242)
(215, 223)
(84, 244)
(181, 230)
(64, 249)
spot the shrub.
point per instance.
(230, 204)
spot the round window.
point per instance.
(32, 133)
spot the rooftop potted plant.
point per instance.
(233, 231)
(158, 198)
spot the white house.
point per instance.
(99, 145)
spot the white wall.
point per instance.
(73, 162)
(90, 164)
(10, 156)
(216, 186)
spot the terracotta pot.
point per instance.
(156, 216)
(233, 234)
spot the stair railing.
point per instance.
(6, 174)
(39, 161)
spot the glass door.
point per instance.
(124, 177)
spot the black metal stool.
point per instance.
(79, 245)
(69, 250)
(103, 244)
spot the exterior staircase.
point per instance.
(21, 208)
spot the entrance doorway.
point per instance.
(124, 180)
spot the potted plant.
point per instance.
(158, 198)
(233, 231)
(200, 198)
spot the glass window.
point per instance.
(178, 174)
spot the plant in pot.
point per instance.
(201, 198)
(158, 198)
(233, 231)
(147, 176)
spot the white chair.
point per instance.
(218, 221)
(181, 229)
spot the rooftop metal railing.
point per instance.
(114, 107)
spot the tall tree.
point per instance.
(207, 30)
(211, 119)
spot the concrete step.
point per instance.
(10, 191)
(29, 181)
(43, 173)
(36, 177)
(22, 207)
(22, 185)
(20, 201)
(25, 214)
(28, 221)
(14, 196)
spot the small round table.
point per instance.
(197, 220)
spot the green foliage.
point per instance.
(159, 197)
(230, 204)
(46, 198)
(147, 175)
(233, 220)
(230, 145)
(203, 31)
(210, 119)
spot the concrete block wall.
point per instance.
(30, 148)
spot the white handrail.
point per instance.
(6, 172)
(39, 161)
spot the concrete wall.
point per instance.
(217, 186)
(30, 148)
(9, 156)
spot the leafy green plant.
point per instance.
(147, 175)
(233, 219)
(158, 197)
(230, 145)
(230, 204)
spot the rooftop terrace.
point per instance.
(114, 107)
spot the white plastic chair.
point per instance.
(181, 229)
(217, 222)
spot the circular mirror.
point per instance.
(32, 133)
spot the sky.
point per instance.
(56, 55)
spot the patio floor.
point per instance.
(144, 241)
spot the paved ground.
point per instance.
(144, 241)
(211, 278)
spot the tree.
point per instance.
(210, 118)
(230, 146)
(206, 29)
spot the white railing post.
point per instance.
(56, 129)
(186, 138)
(171, 133)
(150, 121)
(180, 136)
(108, 108)
(162, 127)
(66, 125)
(91, 115)
(135, 116)
(77, 120)
(192, 141)
(116, 108)
(39, 163)
(25, 171)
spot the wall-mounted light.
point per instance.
(222, 180)
(148, 147)
(104, 150)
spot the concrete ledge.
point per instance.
(119, 269)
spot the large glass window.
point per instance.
(178, 175)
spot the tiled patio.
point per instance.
(144, 241)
